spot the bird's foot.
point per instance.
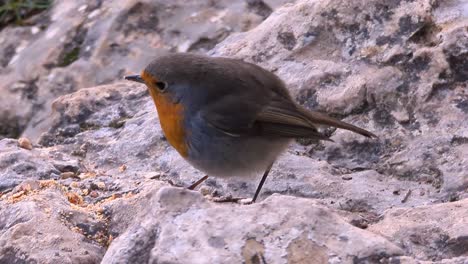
(195, 184)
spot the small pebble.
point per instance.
(94, 194)
(25, 143)
(29, 185)
(205, 190)
(93, 14)
(347, 178)
(18, 194)
(74, 198)
(245, 201)
(101, 185)
(123, 168)
(82, 8)
(85, 191)
(67, 174)
(86, 175)
(35, 30)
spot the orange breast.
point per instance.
(171, 119)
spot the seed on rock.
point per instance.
(25, 143)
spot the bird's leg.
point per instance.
(262, 181)
(194, 185)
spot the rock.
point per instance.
(101, 185)
(396, 68)
(35, 230)
(95, 111)
(28, 186)
(84, 43)
(25, 143)
(433, 232)
(74, 198)
(18, 164)
(384, 66)
(66, 175)
(276, 230)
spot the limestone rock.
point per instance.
(391, 67)
(397, 68)
(41, 227)
(18, 164)
(426, 232)
(179, 225)
(84, 43)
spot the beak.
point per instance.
(135, 78)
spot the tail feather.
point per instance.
(321, 119)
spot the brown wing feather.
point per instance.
(281, 118)
(259, 103)
(288, 119)
(322, 119)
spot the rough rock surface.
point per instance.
(39, 225)
(394, 67)
(314, 235)
(99, 183)
(83, 43)
(421, 231)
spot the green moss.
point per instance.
(117, 123)
(70, 57)
(16, 11)
(89, 126)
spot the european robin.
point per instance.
(228, 117)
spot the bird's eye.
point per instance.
(162, 86)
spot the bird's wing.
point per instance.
(259, 104)
(322, 119)
(278, 118)
(282, 118)
(285, 118)
(231, 114)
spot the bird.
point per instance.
(228, 117)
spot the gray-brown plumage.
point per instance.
(236, 117)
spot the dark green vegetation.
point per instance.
(69, 57)
(16, 11)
